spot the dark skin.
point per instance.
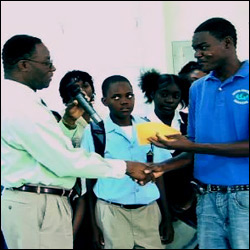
(73, 112)
(220, 56)
(195, 75)
(166, 98)
(36, 74)
(120, 101)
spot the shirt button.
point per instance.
(220, 89)
(10, 207)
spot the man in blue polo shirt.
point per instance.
(218, 135)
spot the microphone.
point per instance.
(75, 92)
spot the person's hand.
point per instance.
(166, 231)
(74, 111)
(156, 170)
(140, 172)
(176, 141)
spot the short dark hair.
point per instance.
(66, 80)
(150, 81)
(219, 28)
(112, 79)
(16, 48)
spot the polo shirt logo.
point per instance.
(241, 96)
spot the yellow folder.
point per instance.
(149, 129)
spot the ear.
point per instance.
(228, 41)
(104, 101)
(22, 65)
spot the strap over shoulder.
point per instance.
(99, 137)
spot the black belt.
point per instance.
(42, 190)
(123, 206)
(202, 188)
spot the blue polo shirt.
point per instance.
(219, 113)
(119, 146)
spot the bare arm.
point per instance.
(237, 149)
(180, 161)
(166, 227)
(234, 149)
(79, 214)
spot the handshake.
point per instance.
(143, 172)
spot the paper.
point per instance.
(149, 129)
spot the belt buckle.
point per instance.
(38, 189)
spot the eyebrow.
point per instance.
(199, 45)
(119, 94)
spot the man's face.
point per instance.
(210, 52)
(40, 70)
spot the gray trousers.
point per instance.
(36, 221)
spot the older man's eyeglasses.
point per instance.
(47, 64)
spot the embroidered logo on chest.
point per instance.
(241, 96)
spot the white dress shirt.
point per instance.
(34, 149)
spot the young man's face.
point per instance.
(120, 99)
(210, 52)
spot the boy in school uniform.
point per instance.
(126, 213)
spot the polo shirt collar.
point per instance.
(242, 72)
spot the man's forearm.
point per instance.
(180, 161)
(239, 149)
(162, 201)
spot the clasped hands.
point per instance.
(146, 172)
(143, 173)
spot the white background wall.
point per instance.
(183, 17)
(101, 38)
(118, 37)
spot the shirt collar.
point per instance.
(110, 126)
(242, 72)
(27, 93)
(177, 120)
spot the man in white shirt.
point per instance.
(39, 164)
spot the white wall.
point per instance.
(183, 17)
(101, 38)
(116, 37)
